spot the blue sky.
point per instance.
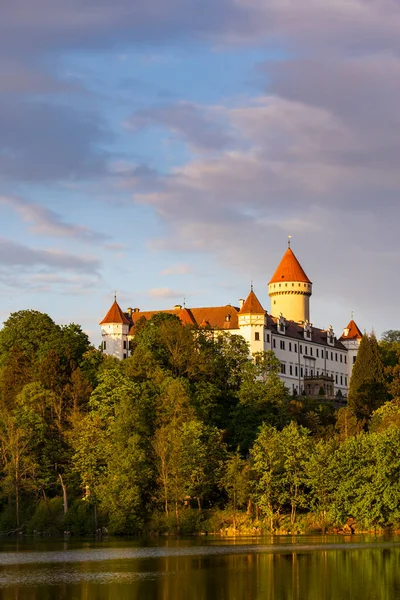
(166, 149)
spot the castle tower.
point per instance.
(252, 319)
(351, 338)
(114, 331)
(290, 290)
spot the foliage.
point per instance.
(368, 389)
(189, 434)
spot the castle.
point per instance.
(311, 359)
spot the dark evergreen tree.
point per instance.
(368, 388)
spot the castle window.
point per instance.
(301, 349)
(345, 359)
(104, 345)
(301, 372)
(268, 337)
(341, 380)
(311, 351)
(292, 284)
(317, 373)
(124, 344)
(306, 350)
(296, 371)
(336, 378)
(336, 356)
(306, 372)
(295, 347)
(124, 354)
(331, 355)
(283, 368)
(317, 351)
(291, 370)
(282, 345)
(341, 358)
(354, 359)
(345, 381)
(274, 343)
(290, 346)
(257, 336)
(285, 284)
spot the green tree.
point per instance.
(280, 463)
(368, 388)
(20, 432)
(236, 481)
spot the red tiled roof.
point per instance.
(289, 269)
(216, 317)
(186, 317)
(353, 332)
(226, 318)
(115, 315)
(252, 305)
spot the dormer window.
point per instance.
(307, 330)
(330, 336)
(228, 318)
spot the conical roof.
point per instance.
(115, 315)
(289, 269)
(351, 332)
(252, 305)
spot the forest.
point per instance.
(188, 435)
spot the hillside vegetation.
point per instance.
(188, 435)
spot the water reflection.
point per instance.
(274, 569)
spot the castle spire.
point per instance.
(290, 289)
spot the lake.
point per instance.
(268, 568)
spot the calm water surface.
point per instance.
(279, 568)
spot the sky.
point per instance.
(165, 149)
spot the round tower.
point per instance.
(114, 332)
(290, 290)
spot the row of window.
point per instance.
(308, 351)
(306, 372)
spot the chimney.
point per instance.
(129, 311)
(241, 302)
(135, 310)
(177, 306)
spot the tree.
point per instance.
(31, 331)
(236, 482)
(368, 388)
(280, 462)
(20, 432)
(322, 477)
(368, 487)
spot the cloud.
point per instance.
(13, 255)
(306, 168)
(45, 221)
(166, 293)
(45, 282)
(179, 269)
(43, 142)
(195, 124)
